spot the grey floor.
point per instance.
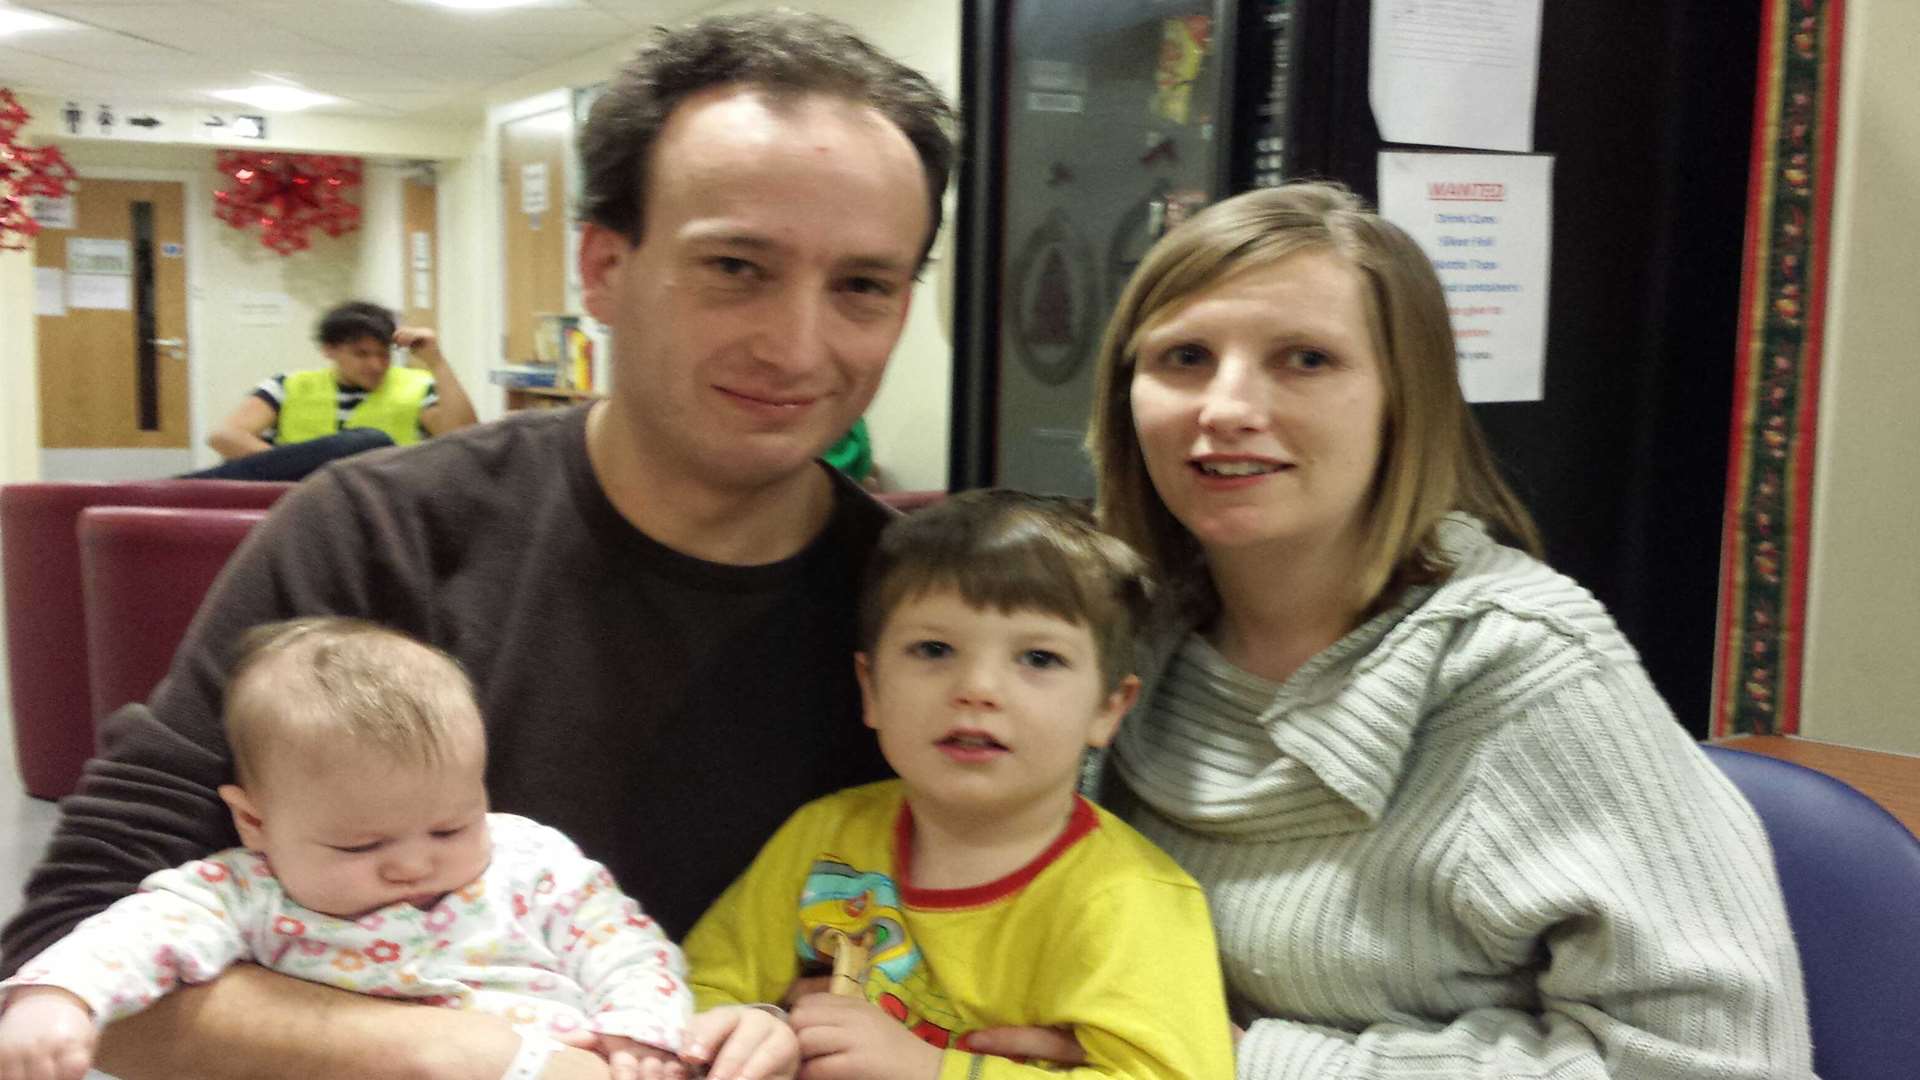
(26, 823)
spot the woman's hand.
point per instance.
(1055, 1045)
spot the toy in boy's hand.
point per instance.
(850, 953)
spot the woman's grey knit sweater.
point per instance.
(1469, 840)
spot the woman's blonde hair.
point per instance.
(1433, 458)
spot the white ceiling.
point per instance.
(392, 58)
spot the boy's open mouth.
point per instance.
(972, 741)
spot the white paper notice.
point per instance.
(49, 290)
(106, 292)
(533, 188)
(1455, 72)
(53, 213)
(262, 309)
(423, 290)
(99, 255)
(1486, 221)
(420, 244)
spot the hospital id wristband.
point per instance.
(535, 1051)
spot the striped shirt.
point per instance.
(1468, 840)
(273, 391)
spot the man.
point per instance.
(654, 596)
(359, 389)
(297, 421)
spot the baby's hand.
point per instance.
(630, 1060)
(738, 1042)
(46, 1033)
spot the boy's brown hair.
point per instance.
(1011, 551)
(310, 683)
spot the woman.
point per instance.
(359, 389)
(1446, 824)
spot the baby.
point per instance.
(371, 864)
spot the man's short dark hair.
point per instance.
(353, 320)
(784, 52)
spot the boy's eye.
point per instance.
(930, 650)
(1308, 359)
(356, 849)
(448, 834)
(1043, 659)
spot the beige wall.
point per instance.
(1862, 677)
(20, 405)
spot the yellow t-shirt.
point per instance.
(1102, 933)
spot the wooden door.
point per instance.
(418, 251)
(533, 162)
(113, 367)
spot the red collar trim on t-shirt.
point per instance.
(1079, 824)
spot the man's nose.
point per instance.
(794, 337)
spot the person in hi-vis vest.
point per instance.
(360, 388)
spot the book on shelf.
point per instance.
(525, 376)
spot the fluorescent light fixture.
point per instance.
(481, 5)
(15, 21)
(275, 97)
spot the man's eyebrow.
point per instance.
(721, 237)
(730, 238)
(877, 264)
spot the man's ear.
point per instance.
(603, 253)
(246, 816)
(1107, 720)
(863, 672)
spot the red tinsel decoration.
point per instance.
(25, 171)
(287, 195)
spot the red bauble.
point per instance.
(25, 171)
(288, 195)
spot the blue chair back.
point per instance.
(1851, 875)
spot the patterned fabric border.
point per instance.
(1765, 533)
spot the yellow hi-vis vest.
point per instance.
(312, 407)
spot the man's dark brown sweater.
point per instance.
(665, 712)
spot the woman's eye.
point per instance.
(1184, 356)
(930, 650)
(729, 266)
(1043, 659)
(1309, 359)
